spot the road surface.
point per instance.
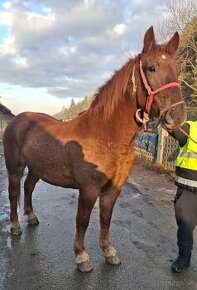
(143, 230)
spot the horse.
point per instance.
(94, 152)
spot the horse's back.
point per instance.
(24, 121)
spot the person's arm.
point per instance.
(179, 136)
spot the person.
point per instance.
(185, 203)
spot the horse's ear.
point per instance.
(149, 40)
(173, 44)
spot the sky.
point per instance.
(54, 50)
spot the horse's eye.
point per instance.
(151, 68)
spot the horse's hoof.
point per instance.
(33, 222)
(16, 231)
(86, 266)
(113, 260)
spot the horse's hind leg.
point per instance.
(87, 200)
(15, 165)
(14, 195)
(106, 202)
(29, 186)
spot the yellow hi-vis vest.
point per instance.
(186, 162)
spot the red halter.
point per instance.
(152, 93)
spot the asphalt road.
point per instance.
(143, 231)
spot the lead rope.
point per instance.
(145, 118)
(186, 134)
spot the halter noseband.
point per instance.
(150, 97)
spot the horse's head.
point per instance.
(158, 89)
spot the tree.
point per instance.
(76, 108)
(176, 15)
(181, 16)
(187, 57)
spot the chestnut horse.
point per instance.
(95, 151)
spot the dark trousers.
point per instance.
(186, 217)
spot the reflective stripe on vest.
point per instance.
(185, 181)
(188, 155)
(187, 162)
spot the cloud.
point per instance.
(70, 47)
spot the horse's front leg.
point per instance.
(86, 202)
(107, 201)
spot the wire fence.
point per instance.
(159, 148)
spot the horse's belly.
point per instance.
(58, 180)
(56, 173)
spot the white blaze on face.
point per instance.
(164, 56)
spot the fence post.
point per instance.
(160, 148)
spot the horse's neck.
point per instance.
(112, 112)
(120, 128)
(122, 122)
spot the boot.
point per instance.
(182, 261)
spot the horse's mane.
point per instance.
(109, 95)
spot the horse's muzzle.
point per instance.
(174, 117)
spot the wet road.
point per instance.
(43, 258)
